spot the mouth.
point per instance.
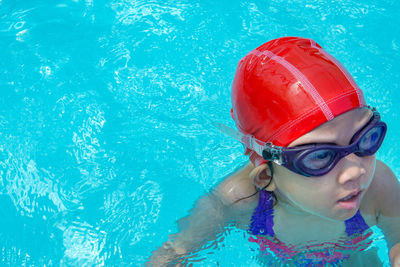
(351, 201)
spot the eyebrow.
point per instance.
(331, 137)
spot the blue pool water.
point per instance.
(106, 110)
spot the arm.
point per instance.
(207, 219)
(388, 197)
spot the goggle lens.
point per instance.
(371, 141)
(318, 159)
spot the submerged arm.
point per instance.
(388, 198)
(207, 220)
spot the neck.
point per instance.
(289, 206)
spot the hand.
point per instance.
(166, 255)
(395, 255)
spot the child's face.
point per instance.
(321, 195)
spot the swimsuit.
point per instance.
(262, 226)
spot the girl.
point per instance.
(312, 176)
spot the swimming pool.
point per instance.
(106, 110)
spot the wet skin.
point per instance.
(352, 175)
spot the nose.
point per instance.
(351, 169)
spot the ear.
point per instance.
(261, 177)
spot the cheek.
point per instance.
(369, 164)
(299, 189)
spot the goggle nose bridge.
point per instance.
(349, 150)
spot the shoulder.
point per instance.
(384, 191)
(237, 190)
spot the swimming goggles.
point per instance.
(320, 158)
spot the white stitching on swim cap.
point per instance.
(303, 80)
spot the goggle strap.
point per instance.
(248, 140)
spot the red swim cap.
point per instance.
(289, 86)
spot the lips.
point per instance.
(350, 196)
(351, 201)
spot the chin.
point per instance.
(345, 215)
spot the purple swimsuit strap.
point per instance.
(356, 225)
(262, 221)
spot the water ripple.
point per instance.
(16, 23)
(86, 119)
(156, 89)
(31, 189)
(151, 14)
(83, 244)
(130, 211)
